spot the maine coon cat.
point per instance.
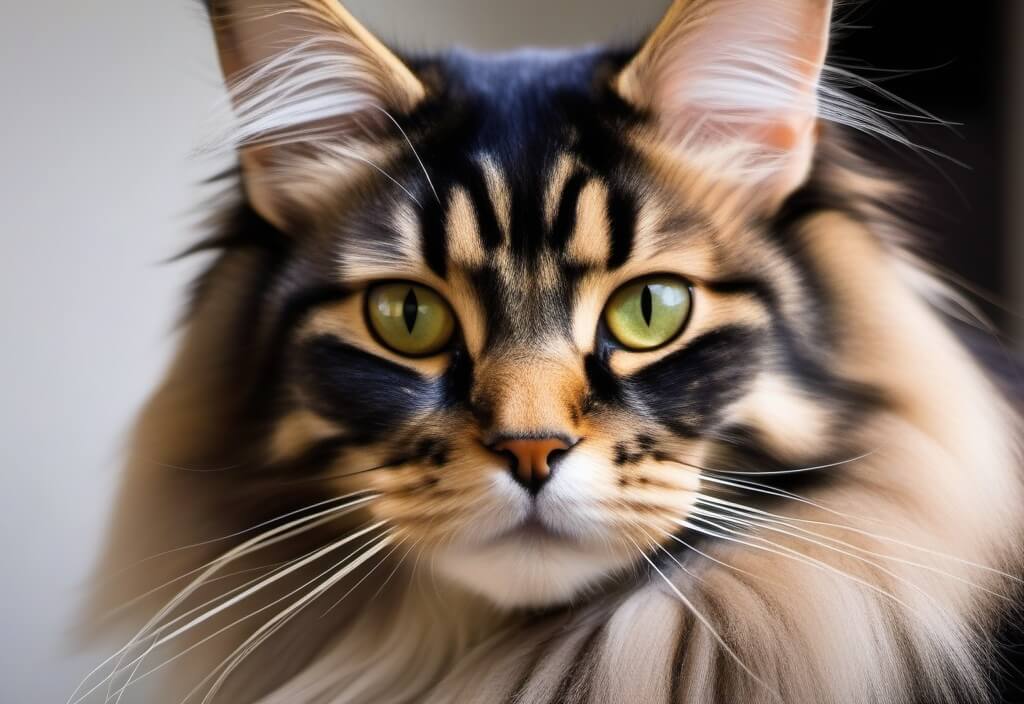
(560, 376)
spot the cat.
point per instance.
(561, 376)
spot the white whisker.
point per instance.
(799, 470)
(787, 552)
(762, 523)
(688, 546)
(785, 520)
(415, 153)
(707, 624)
(267, 629)
(211, 541)
(395, 569)
(248, 616)
(366, 576)
(185, 593)
(272, 537)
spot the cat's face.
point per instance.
(540, 354)
(530, 324)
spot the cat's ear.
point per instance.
(734, 84)
(313, 93)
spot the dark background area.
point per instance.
(957, 62)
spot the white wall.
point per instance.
(102, 103)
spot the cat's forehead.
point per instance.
(521, 258)
(526, 227)
(530, 156)
(515, 97)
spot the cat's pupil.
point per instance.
(647, 305)
(410, 310)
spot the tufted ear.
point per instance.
(311, 90)
(734, 84)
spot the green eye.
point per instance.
(409, 318)
(648, 312)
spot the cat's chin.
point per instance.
(527, 572)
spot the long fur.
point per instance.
(841, 525)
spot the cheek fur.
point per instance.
(594, 498)
(369, 395)
(687, 390)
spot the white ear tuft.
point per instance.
(309, 87)
(735, 83)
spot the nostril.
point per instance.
(532, 459)
(513, 461)
(555, 456)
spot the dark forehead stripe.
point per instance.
(527, 217)
(433, 237)
(524, 112)
(622, 217)
(529, 234)
(433, 218)
(472, 178)
(565, 217)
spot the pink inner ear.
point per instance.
(788, 135)
(734, 77)
(310, 89)
(737, 82)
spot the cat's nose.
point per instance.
(532, 459)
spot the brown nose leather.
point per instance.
(532, 458)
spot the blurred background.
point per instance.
(105, 102)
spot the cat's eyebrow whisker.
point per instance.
(308, 559)
(258, 542)
(336, 149)
(706, 623)
(413, 149)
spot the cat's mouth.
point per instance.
(532, 528)
(529, 563)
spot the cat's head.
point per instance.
(523, 300)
